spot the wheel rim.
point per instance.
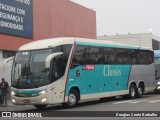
(140, 91)
(132, 92)
(72, 99)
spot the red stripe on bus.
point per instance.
(68, 70)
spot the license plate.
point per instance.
(26, 100)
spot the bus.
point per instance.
(157, 67)
(69, 70)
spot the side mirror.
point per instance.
(50, 57)
(6, 61)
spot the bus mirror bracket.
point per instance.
(50, 57)
(6, 61)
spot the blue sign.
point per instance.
(16, 18)
(157, 53)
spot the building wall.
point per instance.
(55, 18)
(7, 73)
(156, 42)
(131, 39)
(63, 18)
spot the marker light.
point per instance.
(42, 92)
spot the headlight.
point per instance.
(42, 92)
(12, 93)
(44, 100)
(13, 101)
(158, 83)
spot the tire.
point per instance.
(132, 91)
(73, 99)
(41, 107)
(140, 91)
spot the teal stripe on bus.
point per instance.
(106, 45)
(104, 78)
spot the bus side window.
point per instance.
(56, 69)
(133, 56)
(95, 56)
(59, 63)
(122, 56)
(142, 57)
(150, 57)
(86, 54)
(109, 55)
(77, 56)
(101, 56)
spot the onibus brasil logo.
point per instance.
(108, 71)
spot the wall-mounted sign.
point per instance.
(16, 18)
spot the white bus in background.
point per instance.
(66, 70)
(157, 67)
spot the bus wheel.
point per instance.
(72, 98)
(40, 106)
(132, 91)
(140, 91)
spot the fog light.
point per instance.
(44, 99)
(13, 101)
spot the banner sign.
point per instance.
(16, 18)
(50, 113)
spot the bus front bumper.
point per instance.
(39, 100)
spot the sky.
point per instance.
(125, 16)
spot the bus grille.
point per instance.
(26, 95)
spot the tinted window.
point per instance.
(122, 56)
(109, 55)
(59, 63)
(96, 55)
(145, 57)
(58, 68)
(132, 54)
(81, 55)
(102, 55)
(150, 57)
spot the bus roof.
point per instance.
(48, 43)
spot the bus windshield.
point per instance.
(29, 69)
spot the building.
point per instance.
(25, 21)
(144, 39)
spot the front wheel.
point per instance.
(73, 99)
(40, 106)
